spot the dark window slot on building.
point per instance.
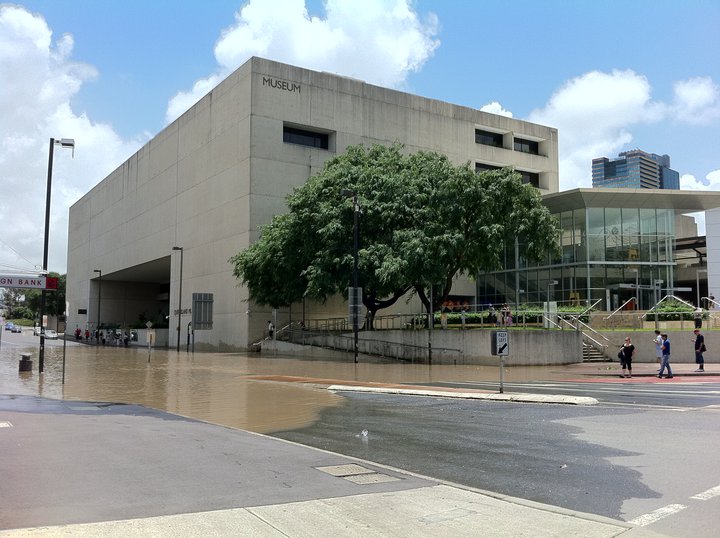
(527, 146)
(482, 167)
(293, 135)
(489, 139)
(530, 177)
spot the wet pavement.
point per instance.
(256, 392)
(76, 467)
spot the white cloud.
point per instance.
(381, 42)
(39, 83)
(496, 108)
(593, 114)
(711, 182)
(697, 100)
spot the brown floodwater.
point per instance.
(231, 389)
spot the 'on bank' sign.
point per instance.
(35, 282)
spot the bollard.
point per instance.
(25, 363)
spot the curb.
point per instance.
(504, 397)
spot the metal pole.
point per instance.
(356, 248)
(179, 320)
(97, 329)
(41, 355)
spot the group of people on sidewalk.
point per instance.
(662, 352)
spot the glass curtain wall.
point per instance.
(617, 256)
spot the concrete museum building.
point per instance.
(150, 243)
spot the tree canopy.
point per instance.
(24, 303)
(423, 221)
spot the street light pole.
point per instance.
(697, 284)
(179, 296)
(65, 143)
(97, 328)
(356, 248)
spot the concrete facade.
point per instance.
(208, 180)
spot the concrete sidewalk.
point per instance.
(90, 469)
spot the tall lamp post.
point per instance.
(64, 143)
(697, 284)
(179, 296)
(97, 328)
(356, 248)
(637, 286)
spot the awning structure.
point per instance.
(681, 201)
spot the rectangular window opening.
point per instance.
(482, 167)
(488, 138)
(527, 146)
(303, 137)
(530, 177)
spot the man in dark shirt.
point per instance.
(666, 358)
(699, 350)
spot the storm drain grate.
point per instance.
(5, 425)
(357, 474)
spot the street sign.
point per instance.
(500, 343)
(35, 282)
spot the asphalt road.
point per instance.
(619, 461)
(640, 392)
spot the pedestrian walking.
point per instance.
(271, 329)
(700, 348)
(698, 318)
(666, 358)
(658, 347)
(626, 356)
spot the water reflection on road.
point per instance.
(215, 387)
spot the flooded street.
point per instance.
(222, 388)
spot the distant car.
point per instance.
(16, 329)
(50, 334)
(37, 331)
(9, 326)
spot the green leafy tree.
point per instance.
(424, 220)
(54, 299)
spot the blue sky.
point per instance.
(611, 76)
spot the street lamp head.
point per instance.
(347, 192)
(66, 143)
(97, 271)
(177, 248)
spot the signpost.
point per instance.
(35, 282)
(500, 346)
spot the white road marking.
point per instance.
(657, 515)
(709, 494)
(5, 425)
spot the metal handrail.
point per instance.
(668, 297)
(349, 338)
(713, 301)
(587, 327)
(551, 321)
(590, 307)
(619, 308)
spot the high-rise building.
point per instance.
(635, 169)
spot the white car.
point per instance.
(50, 334)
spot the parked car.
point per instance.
(16, 329)
(50, 334)
(9, 326)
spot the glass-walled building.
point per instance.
(615, 245)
